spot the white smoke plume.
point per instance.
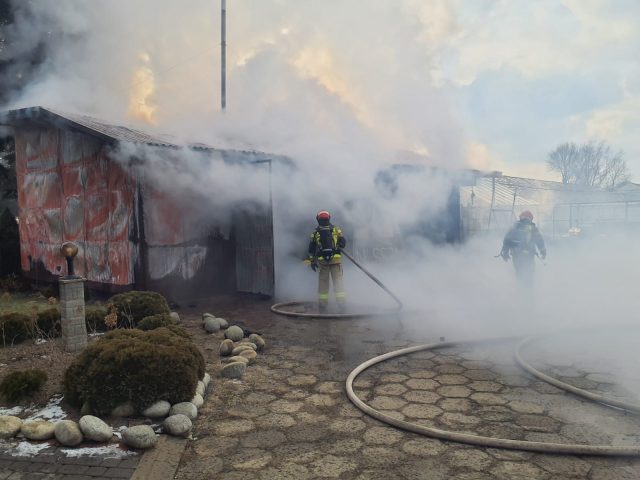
(344, 89)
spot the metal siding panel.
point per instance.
(254, 250)
(69, 200)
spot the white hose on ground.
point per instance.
(612, 402)
(543, 447)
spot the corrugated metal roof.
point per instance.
(89, 124)
(118, 133)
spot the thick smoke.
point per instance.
(344, 89)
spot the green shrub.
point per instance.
(48, 322)
(178, 330)
(155, 321)
(94, 319)
(15, 327)
(137, 366)
(18, 385)
(132, 307)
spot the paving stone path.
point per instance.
(289, 417)
(52, 464)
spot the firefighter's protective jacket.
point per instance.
(523, 238)
(325, 244)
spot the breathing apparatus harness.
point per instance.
(325, 246)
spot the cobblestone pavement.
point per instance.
(289, 417)
(53, 464)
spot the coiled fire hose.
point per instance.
(544, 447)
(281, 308)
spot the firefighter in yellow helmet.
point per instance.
(324, 257)
(523, 242)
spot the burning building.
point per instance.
(131, 233)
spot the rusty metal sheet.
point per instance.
(42, 189)
(72, 191)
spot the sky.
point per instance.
(488, 84)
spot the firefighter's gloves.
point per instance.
(341, 243)
(312, 263)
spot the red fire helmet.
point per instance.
(526, 214)
(323, 215)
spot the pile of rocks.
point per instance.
(238, 350)
(178, 422)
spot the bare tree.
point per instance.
(564, 160)
(592, 164)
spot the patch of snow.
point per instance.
(28, 449)
(108, 451)
(39, 341)
(97, 334)
(11, 411)
(52, 411)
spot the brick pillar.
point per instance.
(74, 328)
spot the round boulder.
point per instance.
(236, 358)
(178, 425)
(249, 355)
(211, 325)
(140, 436)
(9, 426)
(38, 430)
(158, 409)
(68, 433)
(234, 370)
(257, 340)
(197, 400)
(226, 347)
(95, 429)
(175, 317)
(206, 379)
(125, 410)
(242, 347)
(185, 408)
(200, 388)
(234, 333)
(223, 323)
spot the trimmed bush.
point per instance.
(15, 327)
(132, 307)
(131, 365)
(48, 322)
(22, 384)
(94, 319)
(155, 321)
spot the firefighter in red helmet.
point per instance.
(523, 242)
(324, 256)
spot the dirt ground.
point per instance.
(289, 417)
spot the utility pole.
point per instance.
(223, 56)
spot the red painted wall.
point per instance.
(70, 190)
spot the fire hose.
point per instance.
(470, 439)
(280, 308)
(492, 442)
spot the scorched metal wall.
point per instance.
(70, 190)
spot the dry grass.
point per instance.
(26, 303)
